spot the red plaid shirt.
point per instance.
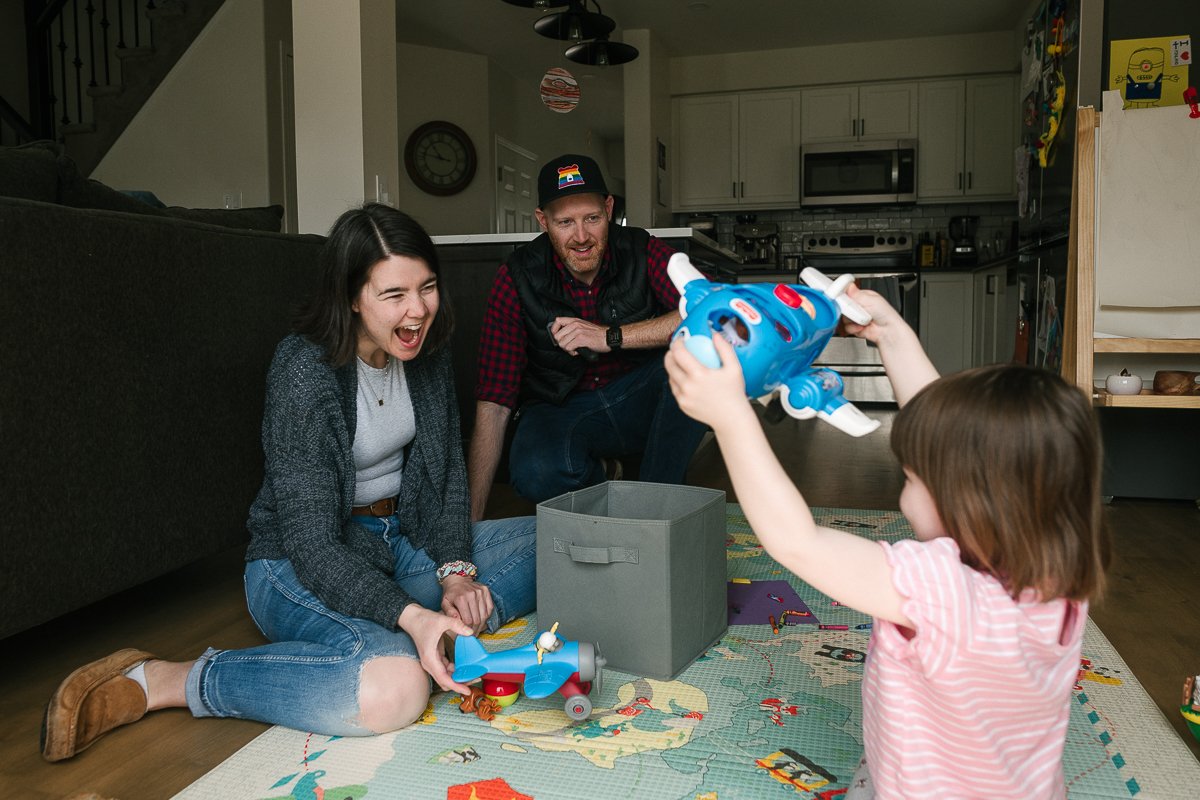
(502, 341)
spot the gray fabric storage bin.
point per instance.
(638, 568)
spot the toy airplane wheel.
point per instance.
(578, 707)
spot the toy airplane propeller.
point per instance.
(546, 665)
(777, 330)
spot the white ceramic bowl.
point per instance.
(1123, 384)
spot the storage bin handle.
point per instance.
(597, 555)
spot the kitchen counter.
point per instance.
(687, 235)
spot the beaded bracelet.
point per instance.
(464, 568)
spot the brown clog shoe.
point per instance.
(92, 701)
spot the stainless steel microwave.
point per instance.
(858, 173)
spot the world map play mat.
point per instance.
(771, 711)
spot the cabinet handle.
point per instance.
(743, 188)
(960, 180)
(968, 180)
(862, 127)
(733, 190)
(991, 284)
(854, 127)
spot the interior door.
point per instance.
(516, 188)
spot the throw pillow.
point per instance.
(30, 171)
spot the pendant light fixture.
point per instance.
(575, 24)
(601, 52)
(538, 3)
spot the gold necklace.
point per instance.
(367, 377)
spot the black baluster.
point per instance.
(121, 24)
(150, 22)
(62, 68)
(104, 26)
(91, 15)
(77, 62)
(137, 35)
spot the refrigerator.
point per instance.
(1082, 68)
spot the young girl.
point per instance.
(979, 622)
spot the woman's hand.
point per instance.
(464, 599)
(711, 396)
(427, 629)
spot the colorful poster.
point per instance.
(1150, 72)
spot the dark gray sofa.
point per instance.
(133, 353)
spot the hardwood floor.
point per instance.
(1150, 615)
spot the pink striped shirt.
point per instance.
(973, 701)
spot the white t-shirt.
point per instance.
(974, 700)
(381, 432)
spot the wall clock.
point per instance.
(440, 158)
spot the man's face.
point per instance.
(578, 230)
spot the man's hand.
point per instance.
(572, 333)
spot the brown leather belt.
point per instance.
(380, 508)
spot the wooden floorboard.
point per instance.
(1150, 616)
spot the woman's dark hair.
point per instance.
(360, 239)
(1011, 456)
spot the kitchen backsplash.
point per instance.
(994, 218)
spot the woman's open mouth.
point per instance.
(409, 335)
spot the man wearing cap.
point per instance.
(573, 340)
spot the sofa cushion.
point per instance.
(267, 218)
(30, 171)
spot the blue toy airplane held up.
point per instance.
(547, 665)
(777, 330)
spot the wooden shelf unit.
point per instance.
(1080, 345)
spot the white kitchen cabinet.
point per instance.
(858, 113)
(736, 151)
(993, 334)
(966, 136)
(947, 319)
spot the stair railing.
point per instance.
(74, 51)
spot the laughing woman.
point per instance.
(362, 558)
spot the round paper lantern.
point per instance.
(559, 90)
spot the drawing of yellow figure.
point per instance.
(1150, 72)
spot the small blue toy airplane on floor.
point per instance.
(547, 665)
(778, 330)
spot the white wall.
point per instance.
(436, 84)
(204, 131)
(647, 122)
(329, 111)
(929, 57)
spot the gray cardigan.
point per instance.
(302, 512)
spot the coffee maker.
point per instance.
(963, 250)
(757, 242)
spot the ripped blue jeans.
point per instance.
(308, 677)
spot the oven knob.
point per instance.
(812, 242)
(824, 241)
(879, 240)
(891, 240)
(833, 240)
(903, 240)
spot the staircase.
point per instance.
(94, 63)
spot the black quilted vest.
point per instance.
(626, 296)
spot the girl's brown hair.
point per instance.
(1011, 456)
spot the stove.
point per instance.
(858, 251)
